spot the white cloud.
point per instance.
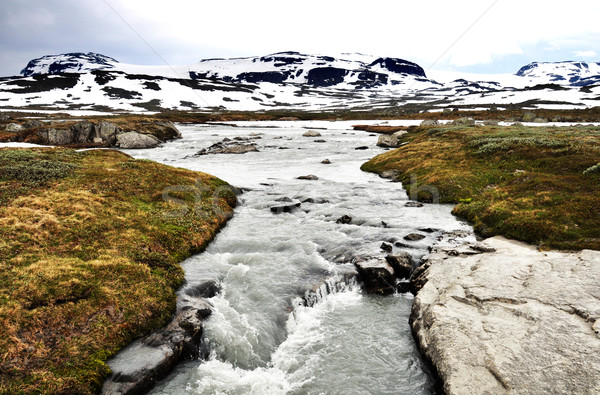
(585, 54)
(457, 34)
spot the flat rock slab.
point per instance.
(512, 321)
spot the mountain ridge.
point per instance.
(289, 79)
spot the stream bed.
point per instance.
(261, 337)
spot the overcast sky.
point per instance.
(483, 36)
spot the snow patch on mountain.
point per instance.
(562, 73)
(75, 62)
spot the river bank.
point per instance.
(90, 258)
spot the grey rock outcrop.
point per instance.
(136, 140)
(430, 122)
(34, 123)
(513, 321)
(107, 132)
(84, 131)
(13, 128)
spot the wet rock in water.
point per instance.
(414, 237)
(308, 177)
(386, 247)
(402, 263)
(428, 230)
(326, 162)
(311, 133)
(231, 148)
(513, 321)
(207, 289)
(361, 148)
(377, 276)
(161, 351)
(320, 141)
(236, 191)
(399, 244)
(284, 147)
(413, 204)
(403, 287)
(284, 199)
(285, 209)
(345, 219)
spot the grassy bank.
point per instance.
(89, 256)
(536, 184)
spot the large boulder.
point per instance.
(13, 128)
(34, 123)
(377, 275)
(136, 140)
(402, 263)
(83, 131)
(430, 122)
(513, 321)
(162, 130)
(388, 141)
(60, 136)
(106, 132)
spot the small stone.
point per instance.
(386, 247)
(308, 177)
(285, 209)
(361, 148)
(345, 219)
(311, 133)
(414, 237)
(413, 204)
(326, 162)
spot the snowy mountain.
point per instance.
(563, 73)
(287, 80)
(68, 63)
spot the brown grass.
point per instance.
(89, 261)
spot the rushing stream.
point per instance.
(260, 338)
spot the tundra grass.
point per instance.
(540, 185)
(89, 249)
